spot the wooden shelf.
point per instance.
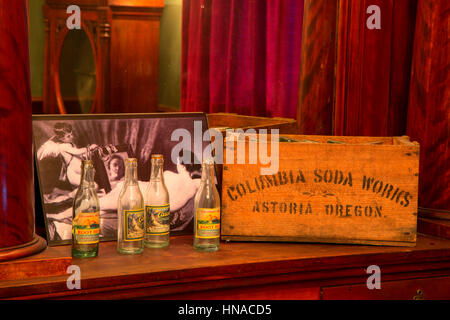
(240, 270)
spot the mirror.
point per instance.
(77, 73)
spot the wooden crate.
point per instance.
(327, 189)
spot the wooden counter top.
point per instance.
(239, 270)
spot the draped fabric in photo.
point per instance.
(241, 56)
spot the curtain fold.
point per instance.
(241, 56)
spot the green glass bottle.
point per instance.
(207, 211)
(86, 215)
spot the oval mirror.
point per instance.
(77, 73)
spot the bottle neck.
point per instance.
(207, 174)
(131, 174)
(157, 171)
(87, 177)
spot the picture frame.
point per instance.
(60, 142)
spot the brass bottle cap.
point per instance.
(87, 163)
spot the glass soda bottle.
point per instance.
(157, 207)
(86, 215)
(207, 211)
(130, 212)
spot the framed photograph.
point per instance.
(61, 142)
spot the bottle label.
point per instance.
(133, 225)
(158, 220)
(86, 227)
(208, 223)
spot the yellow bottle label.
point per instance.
(207, 223)
(134, 225)
(86, 228)
(158, 220)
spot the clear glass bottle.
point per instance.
(130, 212)
(86, 215)
(207, 211)
(157, 207)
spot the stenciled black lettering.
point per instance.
(241, 189)
(282, 178)
(269, 181)
(395, 193)
(256, 184)
(348, 180)
(347, 210)
(378, 211)
(229, 190)
(291, 177)
(399, 195)
(318, 177)
(275, 180)
(292, 208)
(328, 176)
(374, 188)
(408, 197)
(273, 203)
(339, 208)
(367, 182)
(300, 177)
(250, 190)
(388, 193)
(340, 175)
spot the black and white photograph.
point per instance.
(62, 142)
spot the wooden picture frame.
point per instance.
(108, 135)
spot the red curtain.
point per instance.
(241, 56)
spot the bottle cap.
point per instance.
(130, 160)
(208, 160)
(87, 163)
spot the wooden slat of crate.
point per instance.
(304, 208)
(235, 121)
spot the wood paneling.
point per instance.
(16, 167)
(316, 93)
(372, 68)
(429, 102)
(124, 36)
(134, 67)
